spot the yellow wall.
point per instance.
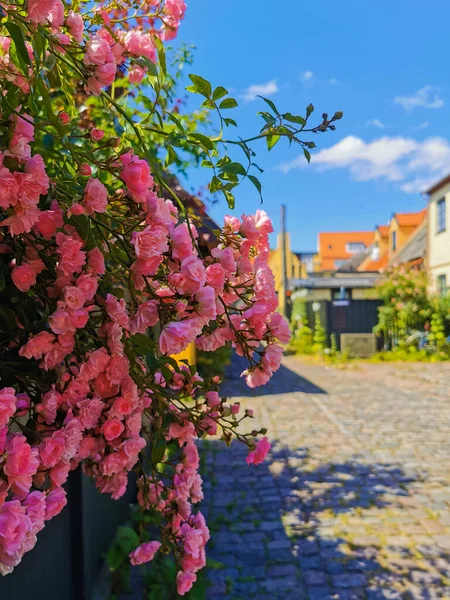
(294, 268)
(381, 242)
(189, 354)
(403, 234)
(364, 294)
(438, 256)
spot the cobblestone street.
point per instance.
(354, 499)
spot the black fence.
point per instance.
(344, 316)
(69, 554)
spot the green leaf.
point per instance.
(307, 155)
(177, 122)
(19, 41)
(215, 184)
(228, 103)
(219, 92)
(204, 140)
(82, 224)
(229, 122)
(171, 156)
(272, 140)
(229, 198)
(158, 452)
(172, 362)
(294, 119)
(201, 85)
(161, 54)
(257, 184)
(126, 541)
(142, 344)
(235, 168)
(271, 104)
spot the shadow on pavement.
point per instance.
(284, 381)
(293, 530)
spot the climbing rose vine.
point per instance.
(103, 276)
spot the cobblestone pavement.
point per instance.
(353, 501)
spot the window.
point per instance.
(339, 262)
(442, 285)
(441, 216)
(355, 247)
(394, 241)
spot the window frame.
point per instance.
(394, 241)
(361, 247)
(441, 216)
(442, 279)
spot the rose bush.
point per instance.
(102, 276)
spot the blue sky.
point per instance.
(383, 63)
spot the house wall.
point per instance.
(294, 267)
(403, 234)
(438, 259)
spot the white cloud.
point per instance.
(306, 76)
(260, 89)
(422, 126)
(426, 97)
(413, 165)
(375, 123)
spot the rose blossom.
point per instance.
(24, 277)
(144, 553)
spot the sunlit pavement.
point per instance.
(354, 499)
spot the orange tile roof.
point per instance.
(333, 244)
(383, 230)
(410, 219)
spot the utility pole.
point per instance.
(284, 259)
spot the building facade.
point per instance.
(438, 248)
(335, 248)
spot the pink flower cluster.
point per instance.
(110, 389)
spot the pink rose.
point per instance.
(263, 222)
(14, 527)
(49, 221)
(117, 311)
(60, 321)
(96, 261)
(136, 74)
(150, 242)
(24, 277)
(7, 405)
(74, 297)
(9, 188)
(226, 258)
(176, 336)
(51, 449)
(138, 44)
(182, 242)
(185, 581)
(88, 284)
(257, 455)
(137, 176)
(146, 316)
(215, 276)
(280, 328)
(76, 26)
(55, 502)
(112, 429)
(38, 345)
(98, 52)
(51, 401)
(194, 274)
(213, 399)
(144, 553)
(46, 11)
(95, 197)
(97, 135)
